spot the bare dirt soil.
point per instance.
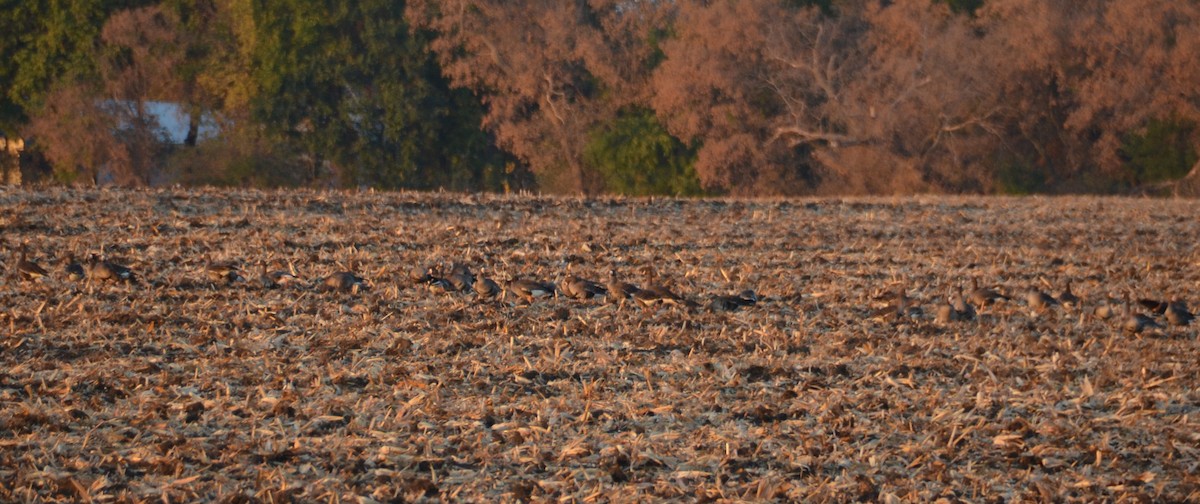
(180, 389)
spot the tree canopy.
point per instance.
(747, 97)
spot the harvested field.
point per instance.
(181, 389)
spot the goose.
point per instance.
(223, 272)
(964, 310)
(1039, 301)
(278, 278)
(109, 271)
(29, 270)
(946, 314)
(343, 281)
(984, 297)
(1068, 298)
(1107, 309)
(1136, 323)
(618, 290)
(74, 269)
(1177, 313)
(733, 302)
(579, 288)
(655, 294)
(900, 309)
(955, 308)
(460, 277)
(486, 288)
(1154, 305)
(420, 274)
(529, 290)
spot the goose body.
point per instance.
(29, 270)
(579, 288)
(1068, 298)
(343, 281)
(618, 290)
(529, 290)
(983, 296)
(1039, 301)
(277, 278)
(109, 271)
(1178, 314)
(733, 302)
(75, 271)
(486, 288)
(223, 272)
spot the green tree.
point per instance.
(637, 156)
(43, 42)
(1163, 150)
(360, 97)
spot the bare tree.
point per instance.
(548, 71)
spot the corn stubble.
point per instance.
(180, 388)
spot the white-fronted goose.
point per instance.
(74, 269)
(656, 294)
(529, 290)
(227, 272)
(1107, 309)
(580, 288)
(733, 302)
(982, 296)
(900, 309)
(29, 270)
(420, 274)
(964, 310)
(1068, 298)
(1177, 313)
(460, 278)
(1136, 323)
(486, 288)
(278, 278)
(104, 270)
(343, 281)
(1039, 301)
(618, 290)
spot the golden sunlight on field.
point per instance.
(845, 375)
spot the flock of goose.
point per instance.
(458, 278)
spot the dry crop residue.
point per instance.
(182, 389)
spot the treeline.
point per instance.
(743, 97)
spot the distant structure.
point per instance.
(10, 160)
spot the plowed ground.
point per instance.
(176, 389)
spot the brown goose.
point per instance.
(900, 309)
(1068, 298)
(733, 302)
(74, 269)
(278, 278)
(955, 308)
(580, 288)
(460, 277)
(1039, 301)
(104, 270)
(420, 274)
(29, 270)
(655, 294)
(529, 290)
(1177, 313)
(619, 291)
(1136, 323)
(983, 297)
(227, 272)
(963, 309)
(1107, 309)
(486, 288)
(343, 281)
